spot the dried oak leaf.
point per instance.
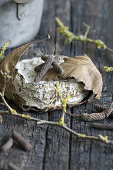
(7, 65)
(83, 70)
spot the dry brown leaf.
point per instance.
(9, 62)
(83, 70)
(7, 65)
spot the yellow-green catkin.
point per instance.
(81, 135)
(70, 36)
(63, 99)
(14, 112)
(64, 30)
(3, 48)
(103, 138)
(26, 116)
(108, 69)
(61, 121)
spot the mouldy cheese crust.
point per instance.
(42, 95)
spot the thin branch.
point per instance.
(6, 104)
(99, 138)
(61, 123)
(70, 36)
(3, 112)
(109, 49)
(87, 29)
(14, 113)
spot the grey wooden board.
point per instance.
(53, 147)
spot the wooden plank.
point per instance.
(36, 135)
(84, 154)
(57, 143)
(79, 149)
(31, 132)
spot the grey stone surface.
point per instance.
(19, 22)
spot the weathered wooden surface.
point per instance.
(53, 147)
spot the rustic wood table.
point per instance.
(53, 147)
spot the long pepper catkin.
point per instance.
(97, 116)
(92, 116)
(8, 144)
(55, 64)
(109, 110)
(23, 143)
(45, 67)
(12, 166)
(105, 126)
(99, 108)
(57, 67)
